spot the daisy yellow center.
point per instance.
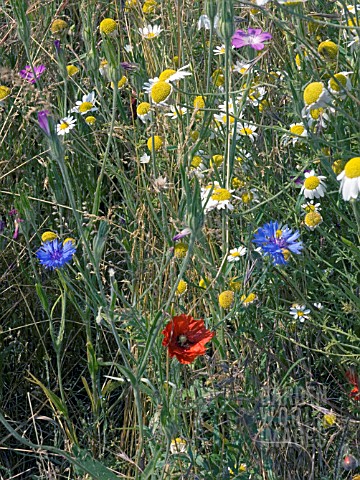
(328, 420)
(300, 313)
(313, 219)
(218, 77)
(196, 161)
(311, 183)
(85, 107)
(181, 288)
(313, 92)
(226, 299)
(71, 70)
(63, 126)
(231, 119)
(143, 108)
(339, 78)
(297, 129)
(150, 35)
(247, 197)
(264, 104)
(48, 236)
(149, 6)
(4, 92)
(180, 250)
(217, 160)
(203, 283)
(90, 120)
(69, 239)
(352, 168)
(166, 74)
(58, 26)
(156, 144)
(108, 25)
(199, 102)
(160, 91)
(246, 131)
(316, 112)
(328, 49)
(248, 299)
(235, 254)
(221, 195)
(338, 166)
(123, 80)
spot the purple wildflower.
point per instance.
(44, 121)
(254, 37)
(182, 234)
(129, 66)
(28, 75)
(17, 222)
(57, 46)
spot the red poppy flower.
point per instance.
(354, 380)
(186, 338)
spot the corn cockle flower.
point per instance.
(44, 121)
(28, 74)
(254, 38)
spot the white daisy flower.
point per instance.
(236, 253)
(85, 105)
(65, 125)
(128, 48)
(318, 305)
(248, 131)
(318, 117)
(309, 207)
(299, 312)
(242, 67)
(159, 88)
(219, 50)
(145, 158)
(350, 179)
(150, 31)
(297, 130)
(176, 112)
(316, 96)
(313, 186)
(213, 196)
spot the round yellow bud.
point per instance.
(226, 299)
(4, 92)
(199, 102)
(107, 26)
(154, 143)
(160, 91)
(180, 250)
(181, 288)
(58, 26)
(69, 239)
(72, 70)
(90, 120)
(328, 50)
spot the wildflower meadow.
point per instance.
(179, 239)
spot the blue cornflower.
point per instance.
(277, 241)
(55, 254)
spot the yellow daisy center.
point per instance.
(160, 91)
(246, 131)
(181, 288)
(156, 144)
(166, 74)
(264, 104)
(316, 112)
(328, 49)
(196, 161)
(90, 120)
(336, 84)
(338, 166)
(311, 183)
(221, 195)
(4, 92)
(199, 102)
(312, 219)
(313, 92)
(247, 197)
(48, 236)
(150, 35)
(328, 421)
(248, 299)
(149, 6)
(72, 70)
(69, 239)
(63, 126)
(108, 25)
(218, 78)
(226, 299)
(143, 108)
(216, 160)
(352, 168)
(85, 107)
(297, 129)
(58, 26)
(180, 250)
